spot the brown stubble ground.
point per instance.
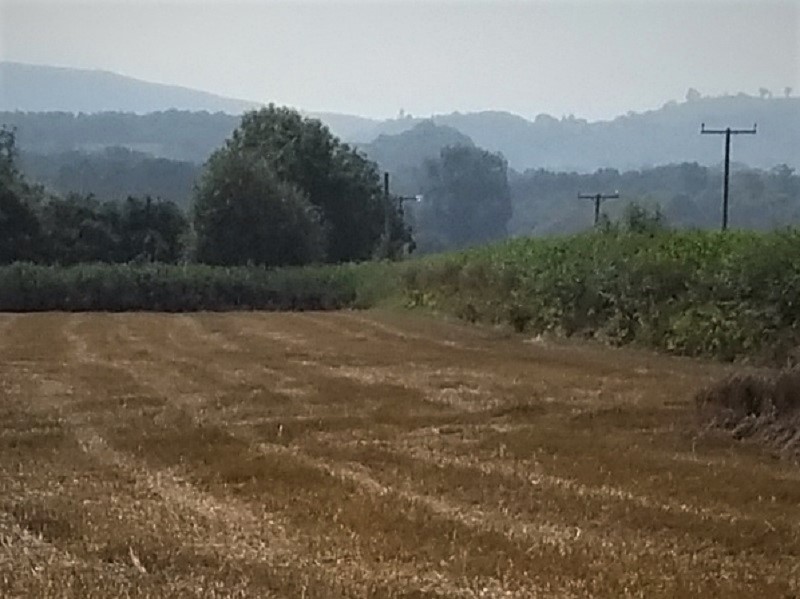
(369, 455)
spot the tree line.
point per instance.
(545, 202)
(39, 227)
(281, 191)
(688, 196)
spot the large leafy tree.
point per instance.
(20, 236)
(244, 214)
(300, 159)
(467, 199)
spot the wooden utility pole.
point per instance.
(727, 132)
(387, 199)
(390, 206)
(598, 197)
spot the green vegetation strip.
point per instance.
(171, 288)
(728, 296)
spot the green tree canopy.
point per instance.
(79, 229)
(150, 230)
(20, 236)
(466, 199)
(244, 213)
(301, 154)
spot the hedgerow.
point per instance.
(691, 293)
(727, 296)
(172, 288)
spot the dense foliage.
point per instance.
(244, 213)
(341, 185)
(20, 234)
(282, 191)
(74, 153)
(692, 293)
(728, 296)
(121, 287)
(38, 227)
(83, 229)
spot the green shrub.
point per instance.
(171, 288)
(697, 293)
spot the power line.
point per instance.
(598, 197)
(727, 132)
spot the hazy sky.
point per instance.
(595, 59)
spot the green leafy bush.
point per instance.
(693, 293)
(171, 288)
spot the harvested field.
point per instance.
(372, 454)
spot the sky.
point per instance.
(595, 59)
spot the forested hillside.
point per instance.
(173, 134)
(113, 174)
(542, 201)
(667, 135)
(403, 155)
(546, 201)
(688, 194)
(670, 134)
(530, 172)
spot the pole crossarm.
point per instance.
(602, 196)
(728, 130)
(598, 197)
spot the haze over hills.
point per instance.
(114, 154)
(39, 88)
(668, 135)
(663, 136)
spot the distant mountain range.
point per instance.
(38, 88)
(670, 134)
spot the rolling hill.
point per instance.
(183, 129)
(39, 88)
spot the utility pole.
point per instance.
(727, 132)
(387, 199)
(389, 206)
(148, 235)
(598, 197)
